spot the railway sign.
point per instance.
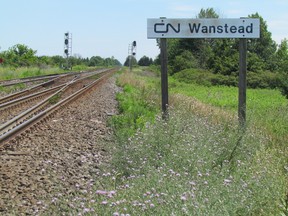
(242, 28)
(203, 28)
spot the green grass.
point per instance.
(187, 165)
(14, 73)
(265, 107)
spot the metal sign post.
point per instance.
(242, 81)
(164, 76)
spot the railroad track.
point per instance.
(6, 83)
(59, 97)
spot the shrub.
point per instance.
(284, 85)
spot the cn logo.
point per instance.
(164, 28)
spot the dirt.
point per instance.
(59, 156)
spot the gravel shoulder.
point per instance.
(60, 156)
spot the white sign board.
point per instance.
(203, 28)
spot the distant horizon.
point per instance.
(106, 29)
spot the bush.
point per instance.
(183, 61)
(197, 76)
(203, 77)
(264, 79)
(284, 85)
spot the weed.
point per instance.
(196, 163)
(54, 99)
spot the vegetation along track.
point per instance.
(45, 108)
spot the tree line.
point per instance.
(143, 61)
(218, 59)
(21, 55)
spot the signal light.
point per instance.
(134, 43)
(66, 41)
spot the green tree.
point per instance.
(183, 61)
(20, 55)
(133, 61)
(201, 49)
(282, 56)
(58, 60)
(145, 61)
(96, 61)
(224, 58)
(264, 47)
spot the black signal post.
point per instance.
(131, 52)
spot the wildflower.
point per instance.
(116, 214)
(227, 181)
(54, 199)
(112, 192)
(101, 192)
(86, 210)
(104, 202)
(192, 183)
(184, 197)
(152, 205)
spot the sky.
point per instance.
(106, 28)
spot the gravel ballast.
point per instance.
(60, 156)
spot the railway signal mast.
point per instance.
(67, 49)
(131, 52)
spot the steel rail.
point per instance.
(49, 111)
(21, 93)
(28, 113)
(29, 97)
(26, 81)
(40, 94)
(33, 78)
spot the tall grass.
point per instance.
(14, 73)
(193, 164)
(266, 108)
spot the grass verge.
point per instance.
(192, 164)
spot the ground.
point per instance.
(59, 156)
